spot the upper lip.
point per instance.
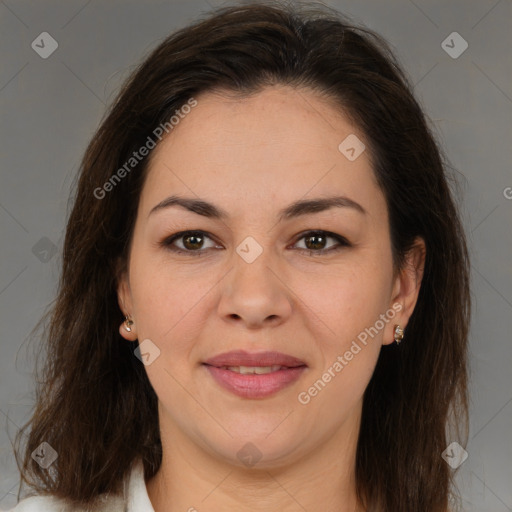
(243, 358)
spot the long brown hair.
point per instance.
(95, 405)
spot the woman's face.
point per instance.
(259, 281)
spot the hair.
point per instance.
(94, 403)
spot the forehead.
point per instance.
(279, 142)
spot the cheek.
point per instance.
(350, 302)
(339, 390)
(170, 306)
(348, 347)
(354, 306)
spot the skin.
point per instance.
(252, 157)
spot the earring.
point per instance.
(128, 324)
(399, 334)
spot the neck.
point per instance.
(192, 479)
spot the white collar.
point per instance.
(138, 499)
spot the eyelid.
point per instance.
(342, 242)
(167, 242)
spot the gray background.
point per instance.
(51, 107)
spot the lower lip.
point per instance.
(253, 385)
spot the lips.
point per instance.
(254, 375)
(243, 358)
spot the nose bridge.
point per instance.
(253, 291)
(253, 266)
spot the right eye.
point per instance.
(192, 238)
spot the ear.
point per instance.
(124, 299)
(406, 288)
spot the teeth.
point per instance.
(259, 370)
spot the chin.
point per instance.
(256, 450)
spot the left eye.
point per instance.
(320, 238)
(194, 239)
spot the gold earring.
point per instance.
(399, 334)
(128, 324)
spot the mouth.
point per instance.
(254, 375)
(251, 370)
(241, 358)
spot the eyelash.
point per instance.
(343, 242)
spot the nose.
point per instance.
(253, 294)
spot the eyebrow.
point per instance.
(295, 209)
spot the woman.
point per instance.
(264, 301)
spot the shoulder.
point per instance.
(133, 498)
(40, 504)
(52, 504)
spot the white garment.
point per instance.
(137, 498)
